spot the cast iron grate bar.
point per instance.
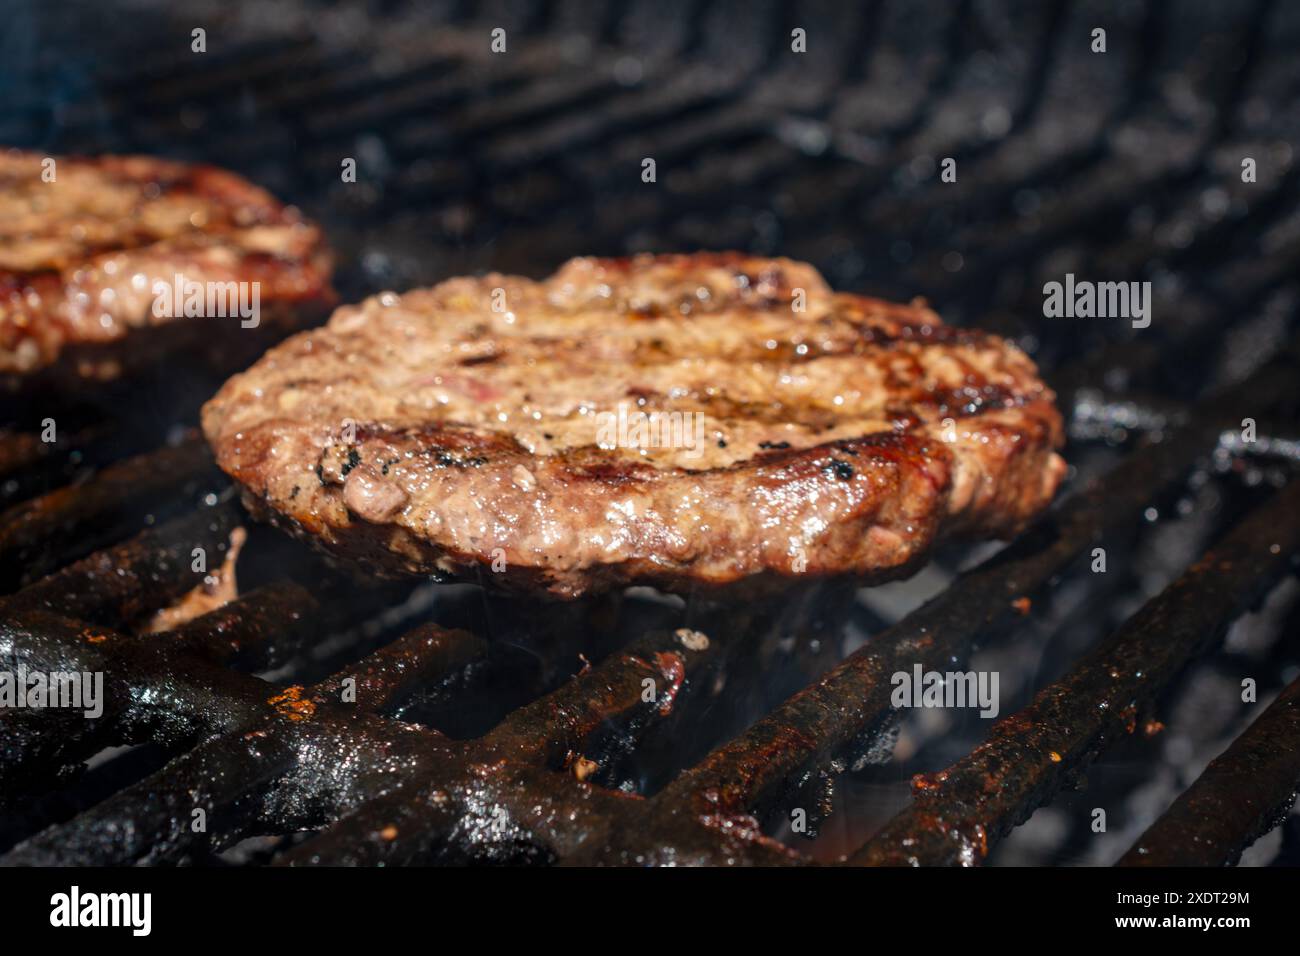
(1242, 794)
(958, 814)
(66, 523)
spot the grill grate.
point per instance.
(1116, 166)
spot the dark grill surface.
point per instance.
(324, 718)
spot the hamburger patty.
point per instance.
(677, 420)
(80, 256)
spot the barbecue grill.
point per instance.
(321, 718)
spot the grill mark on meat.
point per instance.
(493, 345)
(476, 431)
(480, 359)
(450, 438)
(965, 400)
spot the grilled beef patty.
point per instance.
(82, 249)
(541, 436)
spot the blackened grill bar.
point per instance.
(124, 582)
(35, 533)
(559, 732)
(256, 629)
(263, 737)
(959, 813)
(1241, 794)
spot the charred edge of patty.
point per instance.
(1025, 482)
(368, 551)
(375, 539)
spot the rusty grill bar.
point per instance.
(345, 767)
